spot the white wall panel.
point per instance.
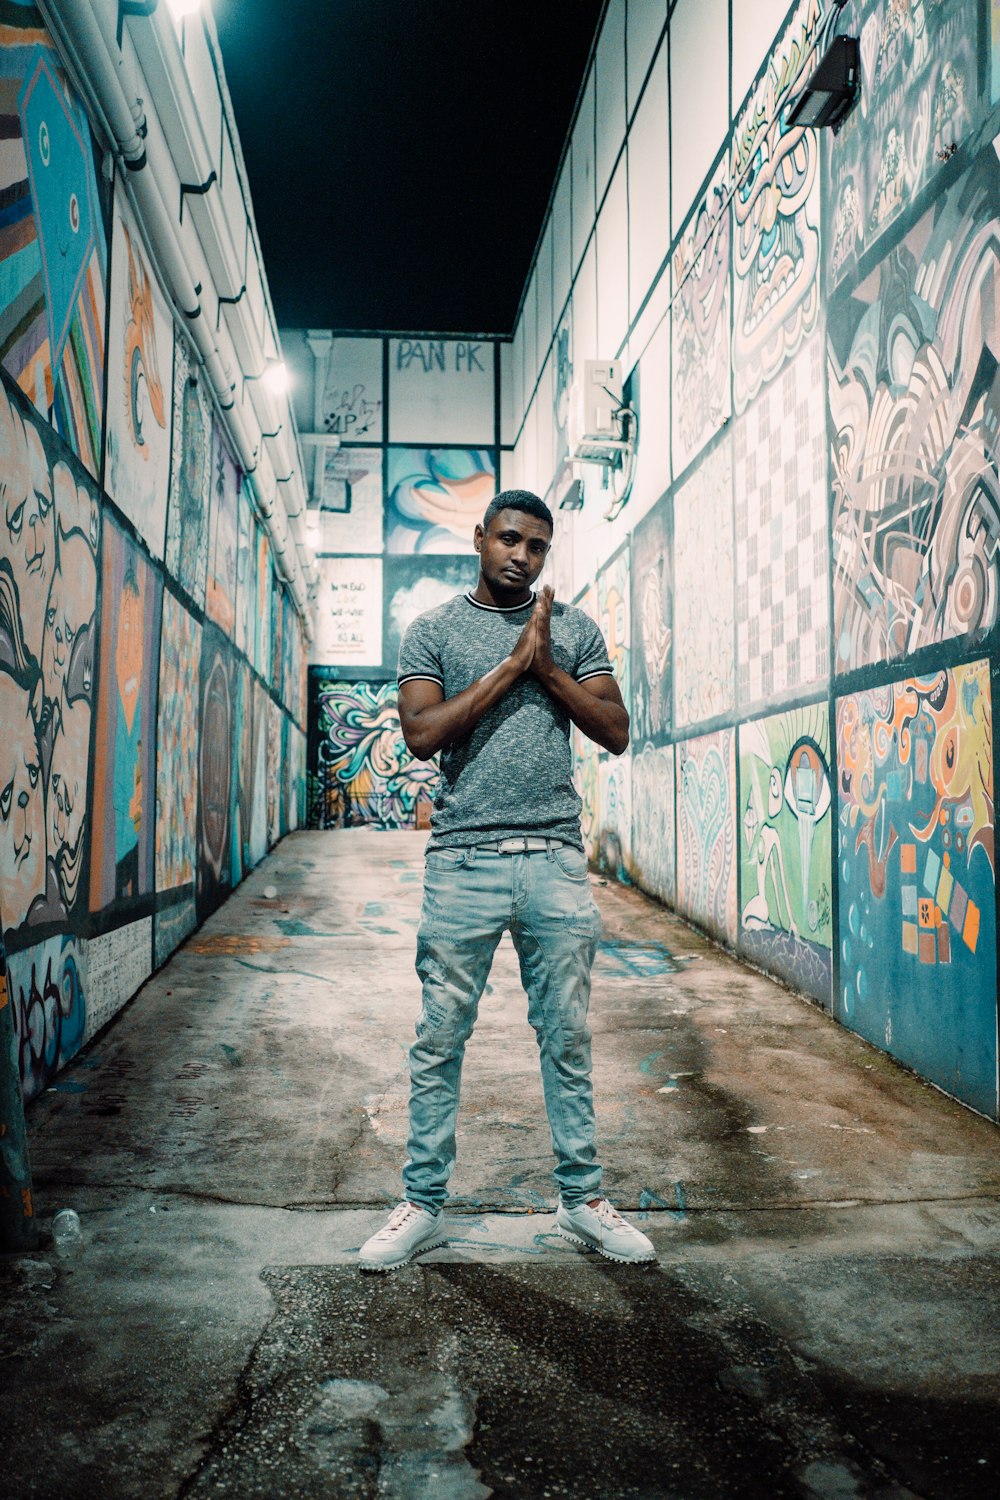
(543, 282)
(441, 391)
(530, 315)
(562, 252)
(645, 20)
(506, 393)
(755, 26)
(545, 431)
(585, 310)
(699, 96)
(649, 185)
(584, 206)
(651, 393)
(517, 376)
(612, 266)
(610, 93)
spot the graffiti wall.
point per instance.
(652, 619)
(704, 674)
(701, 264)
(436, 496)
(361, 770)
(706, 832)
(916, 868)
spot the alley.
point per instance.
(821, 1322)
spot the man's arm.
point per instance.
(595, 706)
(430, 721)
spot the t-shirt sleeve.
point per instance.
(593, 660)
(419, 657)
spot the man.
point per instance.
(492, 679)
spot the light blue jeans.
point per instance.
(471, 897)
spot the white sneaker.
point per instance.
(409, 1231)
(603, 1229)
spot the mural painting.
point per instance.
(562, 380)
(652, 612)
(703, 674)
(653, 822)
(121, 866)
(220, 593)
(436, 497)
(614, 616)
(49, 538)
(140, 385)
(784, 831)
(54, 284)
(702, 356)
(776, 214)
(706, 833)
(191, 469)
(614, 836)
(277, 635)
(919, 89)
(215, 772)
(262, 618)
(413, 585)
(364, 772)
(587, 780)
(915, 410)
(258, 803)
(241, 781)
(177, 747)
(782, 528)
(350, 500)
(47, 986)
(246, 579)
(274, 783)
(175, 920)
(917, 924)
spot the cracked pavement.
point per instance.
(821, 1323)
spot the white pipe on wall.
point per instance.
(174, 246)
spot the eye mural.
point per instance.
(776, 210)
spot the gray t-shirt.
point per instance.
(514, 773)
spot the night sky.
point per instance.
(402, 152)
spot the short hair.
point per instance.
(518, 500)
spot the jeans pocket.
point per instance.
(446, 859)
(572, 862)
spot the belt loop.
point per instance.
(472, 854)
(549, 846)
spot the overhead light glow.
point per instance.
(276, 378)
(181, 8)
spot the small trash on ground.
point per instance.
(67, 1235)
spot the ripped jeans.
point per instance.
(471, 897)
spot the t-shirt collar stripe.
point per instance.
(499, 609)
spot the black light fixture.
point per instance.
(832, 89)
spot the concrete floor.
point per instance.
(823, 1321)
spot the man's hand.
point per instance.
(541, 662)
(523, 653)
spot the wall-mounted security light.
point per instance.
(832, 89)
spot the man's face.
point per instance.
(512, 552)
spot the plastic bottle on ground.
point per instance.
(66, 1233)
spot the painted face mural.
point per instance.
(144, 402)
(67, 797)
(29, 539)
(776, 219)
(22, 809)
(69, 615)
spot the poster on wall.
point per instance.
(190, 478)
(351, 398)
(914, 408)
(121, 867)
(140, 384)
(349, 611)
(350, 500)
(918, 104)
(916, 866)
(437, 497)
(49, 546)
(53, 240)
(776, 216)
(412, 586)
(441, 391)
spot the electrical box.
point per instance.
(595, 401)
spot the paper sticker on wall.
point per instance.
(916, 868)
(351, 399)
(220, 593)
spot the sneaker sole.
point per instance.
(394, 1265)
(623, 1260)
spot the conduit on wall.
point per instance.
(192, 199)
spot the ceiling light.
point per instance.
(276, 377)
(181, 8)
(832, 89)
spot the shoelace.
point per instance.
(608, 1214)
(400, 1217)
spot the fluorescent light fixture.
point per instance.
(181, 8)
(832, 89)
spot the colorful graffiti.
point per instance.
(121, 866)
(706, 832)
(49, 538)
(701, 401)
(917, 927)
(177, 747)
(258, 804)
(220, 590)
(246, 579)
(191, 468)
(915, 407)
(703, 651)
(782, 530)
(918, 97)
(140, 385)
(53, 299)
(215, 772)
(364, 772)
(47, 985)
(776, 213)
(614, 822)
(587, 780)
(262, 618)
(653, 821)
(614, 617)
(652, 611)
(785, 874)
(274, 782)
(436, 497)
